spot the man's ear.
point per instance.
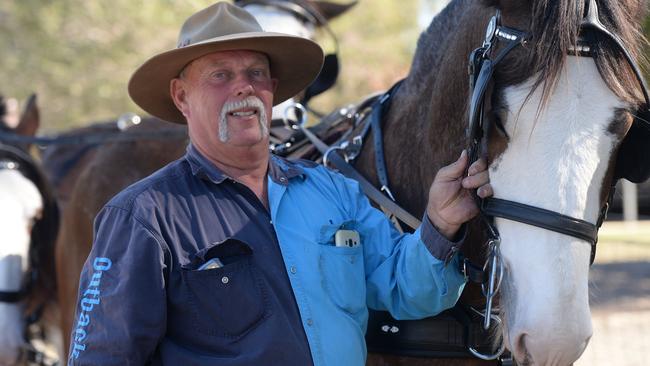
(274, 85)
(179, 96)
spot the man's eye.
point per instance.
(220, 75)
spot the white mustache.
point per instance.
(250, 102)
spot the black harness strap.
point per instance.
(13, 296)
(545, 219)
(378, 138)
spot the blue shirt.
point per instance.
(283, 294)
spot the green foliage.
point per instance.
(78, 55)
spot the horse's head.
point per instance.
(559, 110)
(27, 215)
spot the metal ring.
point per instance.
(499, 352)
(303, 115)
(332, 149)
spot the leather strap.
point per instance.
(12, 296)
(542, 218)
(367, 187)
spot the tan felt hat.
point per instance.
(294, 61)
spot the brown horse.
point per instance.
(559, 121)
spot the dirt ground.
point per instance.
(620, 297)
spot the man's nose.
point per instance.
(245, 89)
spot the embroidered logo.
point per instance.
(88, 301)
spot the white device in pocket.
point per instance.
(347, 238)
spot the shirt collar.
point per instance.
(280, 170)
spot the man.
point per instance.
(232, 256)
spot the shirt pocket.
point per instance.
(229, 301)
(342, 270)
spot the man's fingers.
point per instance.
(477, 166)
(454, 170)
(476, 180)
(485, 191)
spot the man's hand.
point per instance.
(450, 202)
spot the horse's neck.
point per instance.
(426, 122)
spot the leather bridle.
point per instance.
(482, 63)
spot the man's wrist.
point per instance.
(445, 229)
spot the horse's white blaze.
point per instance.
(274, 19)
(20, 202)
(557, 162)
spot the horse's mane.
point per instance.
(435, 37)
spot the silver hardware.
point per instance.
(385, 328)
(128, 120)
(8, 164)
(331, 150)
(496, 270)
(501, 348)
(386, 190)
(394, 329)
(490, 31)
(225, 280)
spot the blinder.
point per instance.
(633, 159)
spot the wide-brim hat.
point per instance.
(294, 61)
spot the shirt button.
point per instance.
(283, 179)
(293, 269)
(225, 279)
(310, 322)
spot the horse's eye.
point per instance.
(497, 122)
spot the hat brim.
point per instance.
(294, 61)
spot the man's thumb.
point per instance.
(456, 169)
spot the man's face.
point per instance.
(227, 99)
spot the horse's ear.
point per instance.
(331, 10)
(633, 159)
(30, 119)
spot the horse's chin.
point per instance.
(548, 328)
